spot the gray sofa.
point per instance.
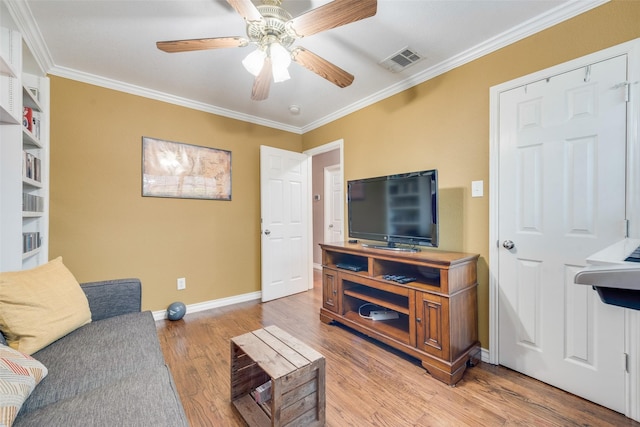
(110, 372)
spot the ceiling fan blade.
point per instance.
(322, 67)
(246, 9)
(201, 44)
(260, 90)
(332, 15)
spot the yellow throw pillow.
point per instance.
(41, 305)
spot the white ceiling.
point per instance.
(112, 43)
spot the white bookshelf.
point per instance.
(24, 153)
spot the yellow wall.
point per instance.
(104, 229)
(444, 124)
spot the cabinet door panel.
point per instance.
(432, 320)
(330, 291)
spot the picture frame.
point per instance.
(178, 170)
(35, 92)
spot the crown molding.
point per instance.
(535, 25)
(166, 97)
(31, 33)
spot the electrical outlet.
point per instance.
(182, 283)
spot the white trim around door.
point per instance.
(335, 145)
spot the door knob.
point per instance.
(330, 225)
(267, 232)
(508, 244)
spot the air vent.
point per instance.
(401, 60)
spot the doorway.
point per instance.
(327, 155)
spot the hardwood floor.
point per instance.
(367, 383)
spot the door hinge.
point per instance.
(625, 362)
(627, 90)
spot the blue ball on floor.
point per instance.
(176, 310)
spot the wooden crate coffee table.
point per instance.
(296, 372)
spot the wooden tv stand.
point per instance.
(438, 312)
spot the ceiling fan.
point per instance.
(273, 30)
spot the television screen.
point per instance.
(400, 208)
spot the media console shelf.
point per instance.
(437, 312)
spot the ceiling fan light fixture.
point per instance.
(280, 59)
(254, 61)
(280, 74)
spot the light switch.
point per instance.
(477, 188)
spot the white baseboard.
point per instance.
(206, 305)
(484, 355)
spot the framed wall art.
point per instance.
(175, 169)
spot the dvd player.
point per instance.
(350, 267)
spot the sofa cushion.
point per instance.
(109, 298)
(19, 375)
(40, 305)
(142, 398)
(95, 355)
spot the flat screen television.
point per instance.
(400, 208)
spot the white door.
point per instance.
(284, 207)
(333, 204)
(562, 198)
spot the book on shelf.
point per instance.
(36, 168)
(32, 203)
(31, 166)
(31, 241)
(35, 124)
